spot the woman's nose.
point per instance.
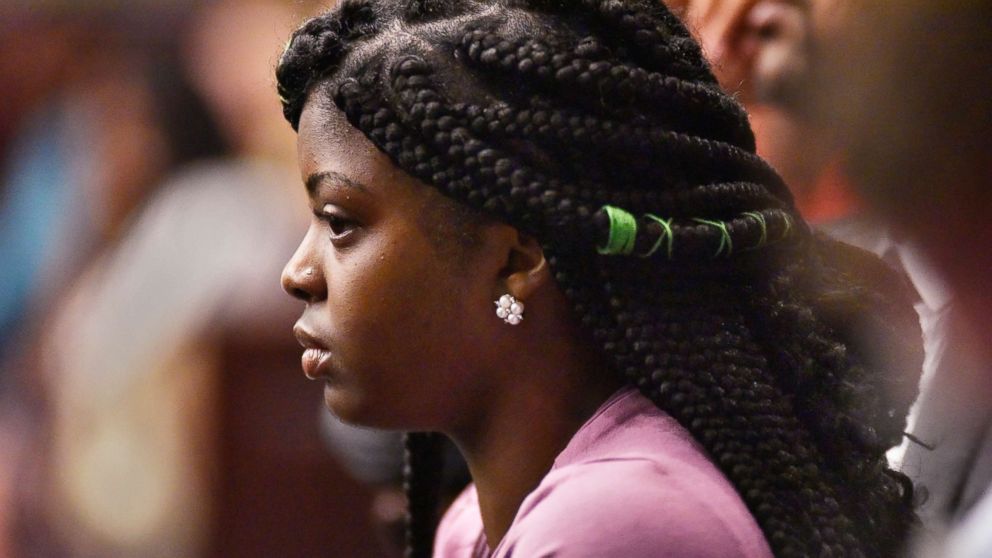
(303, 278)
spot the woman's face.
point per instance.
(395, 322)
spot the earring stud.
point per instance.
(510, 310)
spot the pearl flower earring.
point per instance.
(510, 310)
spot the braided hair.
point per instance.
(598, 124)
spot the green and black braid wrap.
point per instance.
(597, 127)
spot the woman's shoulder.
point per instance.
(460, 532)
(633, 482)
(633, 507)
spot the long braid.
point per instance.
(691, 359)
(725, 320)
(585, 62)
(422, 484)
(563, 129)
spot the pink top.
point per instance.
(632, 482)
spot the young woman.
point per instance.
(541, 229)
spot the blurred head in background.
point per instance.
(229, 54)
(764, 52)
(907, 92)
(92, 101)
(759, 49)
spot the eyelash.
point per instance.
(335, 223)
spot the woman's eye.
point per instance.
(339, 225)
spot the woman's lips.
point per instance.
(314, 362)
(315, 356)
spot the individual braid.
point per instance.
(692, 359)
(422, 484)
(571, 131)
(429, 10)
(574, 119)
(588, 65)
(327, 39)
(841, 405)
(667, 47)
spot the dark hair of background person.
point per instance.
(743, 325)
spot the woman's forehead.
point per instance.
(324, 123)
(328, 143)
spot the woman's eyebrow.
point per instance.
(316, 179)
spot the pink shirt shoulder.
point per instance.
(632, 482)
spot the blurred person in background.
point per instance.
(772, 52)
(24, 84)
(769, 52)
(908, 92)
(173, 424)
(86, 134)
(761, 52)
(67, 182)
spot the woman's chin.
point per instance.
(350, 408)
(343, 405)
(356, 410)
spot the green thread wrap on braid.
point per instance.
(763, 239)
(725, 242)
(668, 234)
(623, 232)
(788, 227)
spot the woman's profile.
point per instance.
(540, 229)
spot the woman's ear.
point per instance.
(526, 269)
(522, 268)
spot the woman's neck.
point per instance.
(514, 446)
